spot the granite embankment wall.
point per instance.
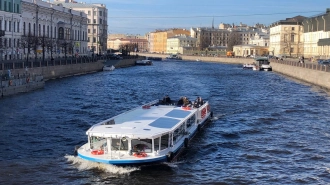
(59, 71)
(17, 85)
(304, 73)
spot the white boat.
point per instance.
(174, 57)
(108, 68)
(143, 62)
(248, 66)
(262, 64)
(152, 133)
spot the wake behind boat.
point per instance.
(154, 132)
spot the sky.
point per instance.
(143, 16)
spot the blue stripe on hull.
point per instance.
(124, 162)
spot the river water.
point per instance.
(267, 128)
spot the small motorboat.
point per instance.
(108, 68)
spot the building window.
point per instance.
(88, 21)
(292, 28)
(94, 21)
(61, 33)
(94, 30)
(100, 13)
(94, 39)
(89, 30)
(292, 37)
(89, 12)
(9, 25)
(17, 26)
(100, 21)
(5, 25)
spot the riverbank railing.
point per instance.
(32, 63)
(313, 66)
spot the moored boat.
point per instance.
(154, 132)
(262, 64)
(108, 68)
(174, 57)
(143, 62)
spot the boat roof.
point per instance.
(142, 122)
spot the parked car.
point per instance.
(325, 63)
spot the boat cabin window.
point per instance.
(178, 134)
(119, 144)
(191, 121)
(164, 142)
(141, 145)
(98, 143)
(156, 144)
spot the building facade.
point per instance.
(286, 37)
(50, 30)
(10, 29)
(141, 45)
(97, 21)
(317, 35)
(176, 44)
(158, 39)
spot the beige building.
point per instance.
(176, 44)
(158, 39)
(140, 44)
(317, 36)
(249, 49)
(97, 21)
(286, 37)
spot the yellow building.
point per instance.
(286, 37)
(158, 39)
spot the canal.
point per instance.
(267, 128)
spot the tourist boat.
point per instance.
(143, 62)
(262, 64)
(151, 133)
(174, 57)
(108, 68)
(248, 66)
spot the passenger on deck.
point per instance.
(198, 102)
(186, 102)
(180, 102)
(166, 100)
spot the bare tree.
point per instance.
(29, 42)
(234, 38)
(67, 45)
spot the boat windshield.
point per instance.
(98, 143)
(142, 145)
(119, 144)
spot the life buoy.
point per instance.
(203, 113)
(10, 82)
(146, 107)
(97, 152)
(27, 80)
(140, 154)
(186, 108)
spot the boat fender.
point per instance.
(186, 142)
(199, 127)
(169, 156)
